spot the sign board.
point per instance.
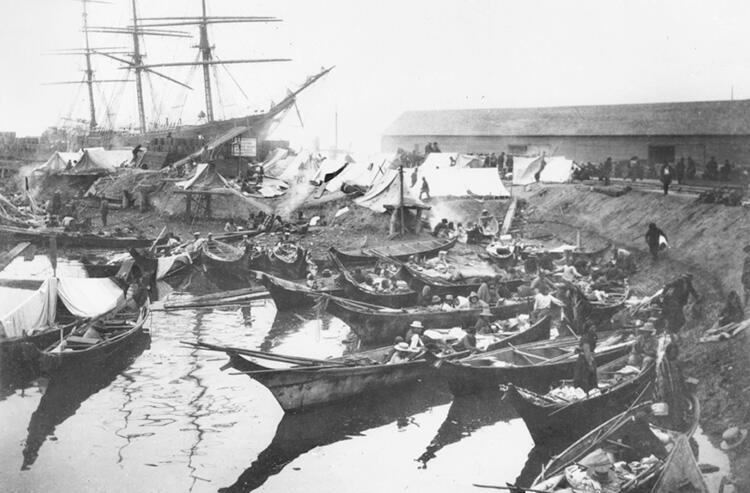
(245, 146)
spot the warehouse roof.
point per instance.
(691, 118)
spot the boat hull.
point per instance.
(290, 295)
(466, 379)
(373, 326)
(550, 422)
(295, 390)
(401, 251)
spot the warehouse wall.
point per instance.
(594, 149)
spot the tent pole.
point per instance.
(401, 195)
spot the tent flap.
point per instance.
(36, 312)
(90, 297)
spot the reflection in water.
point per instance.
(66, 391)
(538, 456)
(196, 405)
(467, 414)
(298, 433)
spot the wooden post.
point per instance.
(401, 195)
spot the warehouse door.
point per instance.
(661, 154)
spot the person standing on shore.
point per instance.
(746, 273)
(104, 211)
(666, 176)
(653, 239)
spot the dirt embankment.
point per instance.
(705, 239)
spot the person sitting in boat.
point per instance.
(402, 354)
(475, 303)
(473, 234)
(390, 353)
(461, 233)
(484, 323)
(197, 243)
(441, 229)
(230, 227)
(414, 335)
(569, 273)
(645, 347)
(483, 293)
(449, 304)
(485, 223)
(439, 263)
(172, 240)
(311, 282)
(468, 342)
(385, 286)
(502, 293)
(544, 302)
(358, 275)
(435, 304)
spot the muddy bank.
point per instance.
(705, 239)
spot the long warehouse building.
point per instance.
(658, 132)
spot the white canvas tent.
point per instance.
(525, 169)
(387, 191)
(557, 169)
(362, 173)
(462, 182)
(445, 160)
(58, 161)
(97, 160)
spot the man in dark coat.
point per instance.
(692, 169)
(652, 239)
(680, 170)
(667, 171)
(674, 298)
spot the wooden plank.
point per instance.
(14, 252)
(509, 215)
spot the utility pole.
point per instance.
(137, 67)
(89, 71)
(205, 50)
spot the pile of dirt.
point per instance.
(706, 239)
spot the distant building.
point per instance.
(658, 132)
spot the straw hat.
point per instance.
(733, 438)
(436, 299)
(404, 347)
(416, 325)
(448, 297)
(602, 473)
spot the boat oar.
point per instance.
(299, 360)
(285, 370)
(509, 487)
(153, 245)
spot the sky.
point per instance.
(390, 56)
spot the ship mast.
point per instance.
(204, 46)
(87, 51)
(89, 71)
(205, 50)
(137, 63)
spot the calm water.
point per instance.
(165, 418)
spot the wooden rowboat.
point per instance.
(535, 366)
(290, 295)
(401, 251)
(225, 259)
(360, 291)
(550, 419)
(630, 437)
(78, 240)
(374, 324)
(417, 280)
(336, 379)
(273, 262)
(118, 334)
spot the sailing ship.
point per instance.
(177, 141)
